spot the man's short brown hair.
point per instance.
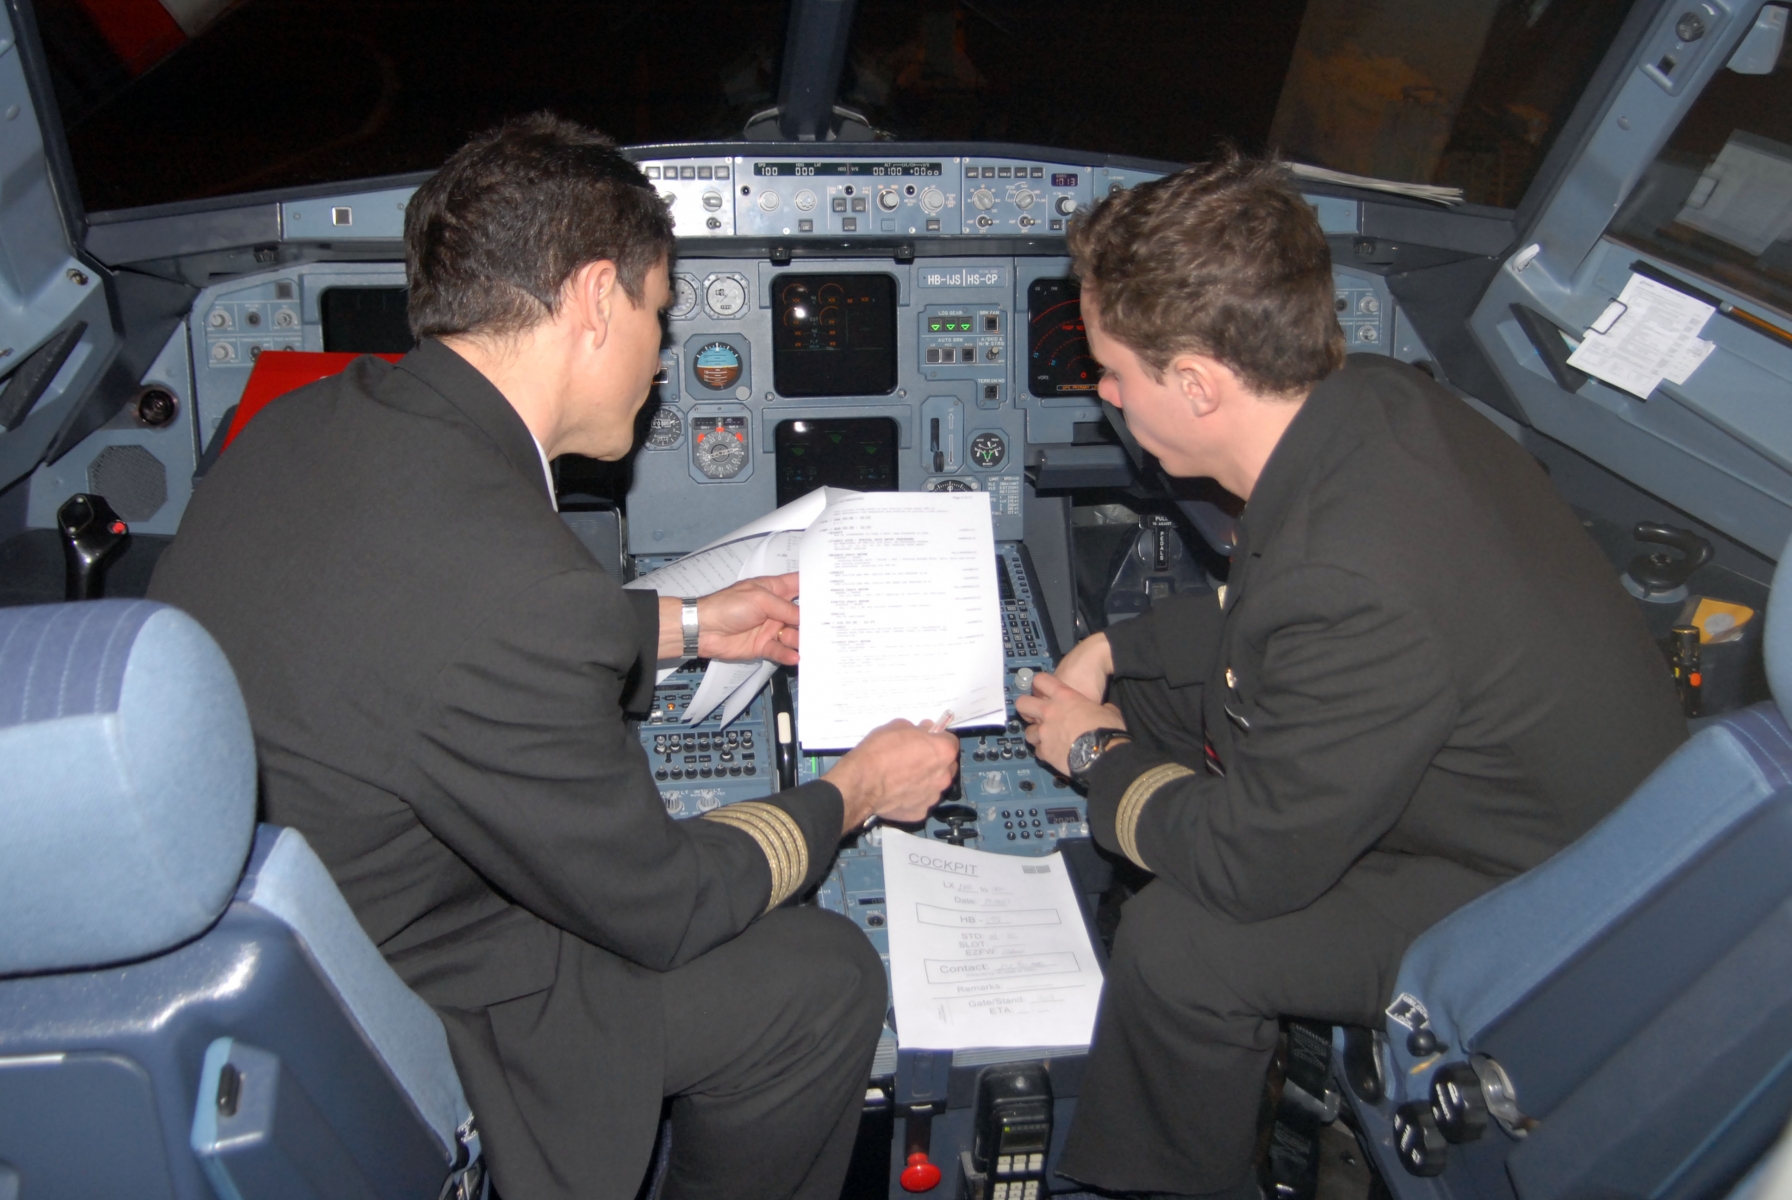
(1222, 259)
(491, 239)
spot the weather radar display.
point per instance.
(1060, 363)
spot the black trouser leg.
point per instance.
(1190, 1008)
(768, 1047)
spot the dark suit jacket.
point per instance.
(1421, 652)
(436, 671)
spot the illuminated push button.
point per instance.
(933, 200)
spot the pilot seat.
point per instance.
(188, 1009)
(1617, 1021)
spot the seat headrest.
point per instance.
(1776, 646)
(129, 796)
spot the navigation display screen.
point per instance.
(848, 452)
(1058, 362)
(834, 335)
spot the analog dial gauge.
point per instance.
(684, 297)
(725, 295)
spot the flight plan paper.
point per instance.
(901, 616)
(986, 950)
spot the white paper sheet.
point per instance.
(901, 616)
(1650, 333)
(986, 950)
(744, 554)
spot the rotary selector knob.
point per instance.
(1024, 198)
(888, 200)
(712, 200)
(1370, 305)
(933, 199)
(805, 201)
(1066, 205)
(1368, 333)
(768, 201)
(983, 198)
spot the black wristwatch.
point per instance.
(1089, 747)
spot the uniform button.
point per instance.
(1024, 835)
(1026, 785)
(1011, 836)
(1006, 813)
(1007, 824)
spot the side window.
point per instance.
(1718, 199)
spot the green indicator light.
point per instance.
(935, 327)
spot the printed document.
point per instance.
(901, 616)
(986, 950)
(1649, 333)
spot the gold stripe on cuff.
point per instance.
(779, 838)
(1126, 817)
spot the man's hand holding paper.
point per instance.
(743, 623)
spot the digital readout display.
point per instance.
(843, 167)
(1059, 180)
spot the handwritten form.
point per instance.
(986, 950)
(901, 616)
(1649, 333)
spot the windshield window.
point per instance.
(1718, 198)
(1469, 93)
(265, 94)
(278, 93)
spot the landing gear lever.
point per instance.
(92, 536)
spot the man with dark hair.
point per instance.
(1420, 679)
(437, 673)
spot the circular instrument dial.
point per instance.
(988, 450)
(720, 454)
(666, 429)
(684, 297)
(948, 484)
(725, 295)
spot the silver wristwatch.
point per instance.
(1089, 747)
(688, 618)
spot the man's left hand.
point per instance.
(1057, 714)
(748, 620)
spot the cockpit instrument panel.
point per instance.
(846, 452)
(1058, 358)
(834, 335)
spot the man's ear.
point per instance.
(592, 293)
(1196, 378)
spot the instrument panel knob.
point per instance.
(983, 198)
(1066, 205)
(933, 200)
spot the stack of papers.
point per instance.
(986, 950)
(901, 613)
